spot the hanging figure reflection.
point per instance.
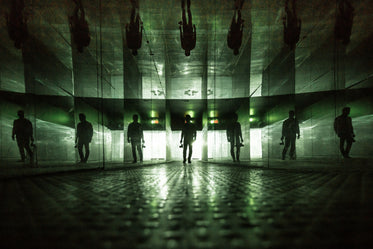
(134, 29)
(343, 128)
(187, 30)
(292, 24)
(344, 21)
(234, 38)
(135, 136)
(22, 131)
(290, 130)
(83, 137)
(16, 22)
(79, 27)
(189, 135)
(234, 137)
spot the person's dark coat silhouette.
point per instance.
(83, 137)
(16, 22)
(290, 130)
(292, 25)
(234, 38)
(79, 27)
(343, 128)
(134, 32)
(187, 30)
(188, 134)
(22, 131)
(344, 21)
(135, 136)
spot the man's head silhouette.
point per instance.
(188, 118)
(346, 111)
(135, 118)
(82, 117)
(291, 114)
(20, 113)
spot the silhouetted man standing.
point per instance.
(234, 136)
(22, 131)
(134, 31)
(135, 136)
(83, 137)
(292, 25)
(189, 134)
(234, 38)
(187, 30)
(343, 128)
(79, 27)
(290, 130)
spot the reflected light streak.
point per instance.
(161, 187)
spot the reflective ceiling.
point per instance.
(161, 61)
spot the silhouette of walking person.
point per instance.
(22, 132)
(16, 22)
(134, 30)
(292, 25)
(83, 137)
(234, 137)
(343, 128)
(79, 27)
(344, 21)
(135, 136)
(290, 130)
(234, 38)
(188, 134)
(187, 29)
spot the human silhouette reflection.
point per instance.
(189, 134)
(292, 24)
(234, 137)
(135, 136)
(79, 27)
(16, 22)
(344, 21)
(187, 29)
(343, 128)
(22, 132)
(83, 137)
(134, 29)
(290, 130)
(234, 38)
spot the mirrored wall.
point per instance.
(252, 63)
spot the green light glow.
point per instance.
(251, 119)
(213, 114)
(252, 111)
(154, 114)
(190, 113)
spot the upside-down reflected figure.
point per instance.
(292, 24)
(187, 30)
(79, 27)
(16, 22)
(234, 38)
(134, 30)
(344, 21)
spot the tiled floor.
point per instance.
(202, 205)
